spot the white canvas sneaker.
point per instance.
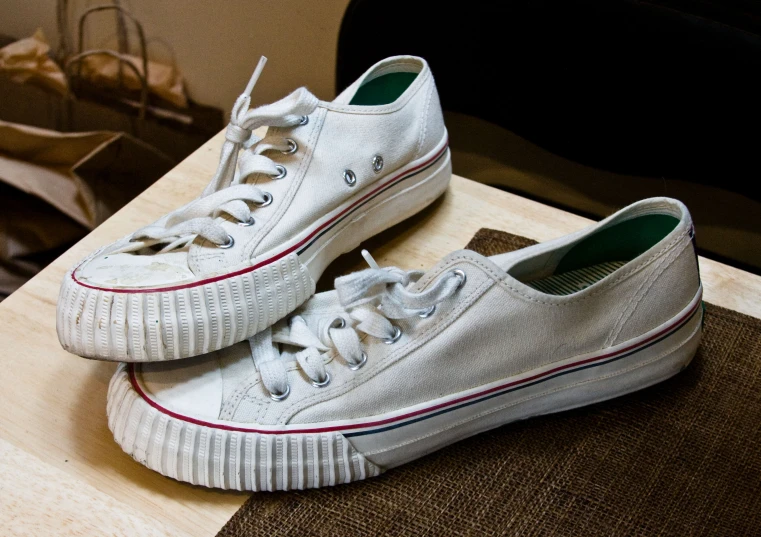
(393, 365)
(327, 176)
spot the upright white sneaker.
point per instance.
(393, 365)
(248, 251)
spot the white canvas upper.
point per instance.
(298, 221)
(469, 327)
(337, 137)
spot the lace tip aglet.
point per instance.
(369, 259)
(255, 76)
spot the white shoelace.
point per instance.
(226, 192)
(370, 298)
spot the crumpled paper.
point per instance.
(27, 61)
(164, 81)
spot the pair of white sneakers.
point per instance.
(233, 377)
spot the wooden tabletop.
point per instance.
(61, 473)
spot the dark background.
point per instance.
(667, 90)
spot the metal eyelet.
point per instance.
(393, 339)
(427, 312)
(323, 383)
(460, 274)
(338, 322)
(267, 200)
(304, 120)
(350, 178)
(377, 163)
(229, 244)
(292, 147)
(248, 223)
(282, 170)
(281, 396)
(359, 364)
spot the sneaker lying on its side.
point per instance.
(393, 365)
(327, 176)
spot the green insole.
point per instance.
(383, 90)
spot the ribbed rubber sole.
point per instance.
(224, 459)
(167, 325)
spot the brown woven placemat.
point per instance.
(680, 458)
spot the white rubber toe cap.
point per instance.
(192, 388)
(127, 270)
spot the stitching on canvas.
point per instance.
(628, 310)
(663, 264)
(424, 129)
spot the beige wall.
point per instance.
(217, 43)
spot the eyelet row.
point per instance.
(282, 172)
(248, 223)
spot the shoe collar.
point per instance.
(544, 257)
(394, 64)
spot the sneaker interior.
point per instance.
(384, 89)
(589, 260)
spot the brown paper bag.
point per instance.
(27, 61)
(55, 187)
(164, 81)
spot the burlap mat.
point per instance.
(680, 458)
